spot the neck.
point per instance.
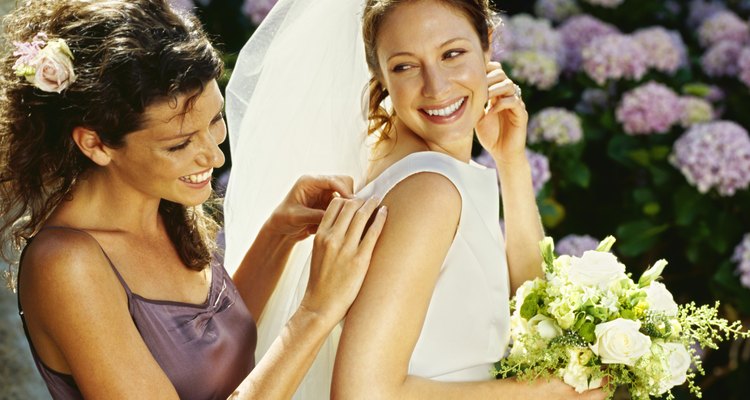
(100, 201)
(407, 142)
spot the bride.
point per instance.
(433, 312)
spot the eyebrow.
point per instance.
(216, 118)
(447, 42)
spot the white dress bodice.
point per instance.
(467, 326)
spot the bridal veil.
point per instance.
(296, 104)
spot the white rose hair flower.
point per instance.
(46, 64)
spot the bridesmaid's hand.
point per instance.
(502, 130)
(341, 256)
(299, 214)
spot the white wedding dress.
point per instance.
(467, 327)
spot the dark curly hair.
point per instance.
(478, 12)
(128, 55)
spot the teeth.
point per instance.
(444, 112)
(199, 178)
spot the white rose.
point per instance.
(545, 326)
(660, 299)
(54, 67)
(577, 375)
(619, 342)
(679, 362)
(596, 268)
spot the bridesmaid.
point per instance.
(111, 120)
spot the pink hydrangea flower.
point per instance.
(614, 57)
(534, 68)
(721, 59)
(743, 65)
(577, 32)
(665, 50)
(714, 155)
(556, 125)
(723, 25)
(649, 108)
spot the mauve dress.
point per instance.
(206, 349)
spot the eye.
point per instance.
(453, 53)
(180, 146)
(401, 68)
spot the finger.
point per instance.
(345, 217)
(332, 213)
(343, 185)
(513, 103)
(494, 67)
(373, 231)
(307, 216)
(504, 88)
(360, 221)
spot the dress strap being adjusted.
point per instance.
(111, 264)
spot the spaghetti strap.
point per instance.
(111, 264)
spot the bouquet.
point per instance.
(587, 322)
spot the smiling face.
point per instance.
(174, 155)
(433, 66)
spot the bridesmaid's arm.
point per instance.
(523, 226)
(294, 219)
(261, 268)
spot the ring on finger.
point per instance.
(518, 92)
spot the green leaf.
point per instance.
(587, 331)
(686, 202)
(660, 152)
(638, 236)
(640, 156)
(530, 306)
(552, 212)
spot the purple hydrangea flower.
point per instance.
(742, 257)
(721, 59)
(695, 110)
(614, 57)
(701, 9)
(744, 66)
(665, 50)
(502, 39)
(556, 10)
(556, 125)
(534, 68)
(605, 3)
(723, 25)
(540, 173)
(714, 155)
(529, 33)
(257, 10)
(576, 245)
(649, 108)
(577, 32)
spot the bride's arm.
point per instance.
(385, 321)
(294, 219)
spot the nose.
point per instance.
(211, 155)
(436, 82)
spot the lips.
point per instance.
(445, 114)
(198, 178)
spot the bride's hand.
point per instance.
(341, 255)
(502, 130)
(299, 214)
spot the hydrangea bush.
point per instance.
(661, 91)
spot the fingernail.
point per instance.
(383, 210)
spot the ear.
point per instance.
(91, 145)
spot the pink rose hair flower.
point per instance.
(48, 66)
